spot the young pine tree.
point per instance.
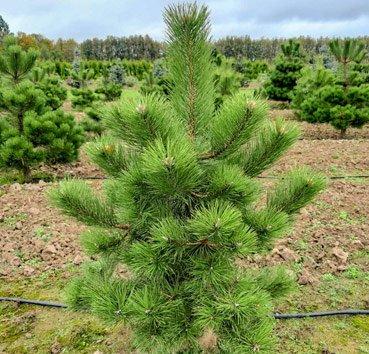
(182, 204)
(92, 123)
(82, 96)
(29, 132)
(227, 81)
(341, 100)
(287, 69)
(350, 51)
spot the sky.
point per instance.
(82, 19)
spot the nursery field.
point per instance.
(174, 195)
(327, 252)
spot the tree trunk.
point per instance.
(20, 122)
(343, 133)
(345, 76)
(26, 173)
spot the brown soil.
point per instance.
(35, 237)
(320, 131)
(82, 168)
(333, 157)
(328, 235)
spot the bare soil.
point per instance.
(319, 131)
(35, 237)
(333, 157)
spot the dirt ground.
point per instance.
(320, 131)
(328, 251)
(35, 237)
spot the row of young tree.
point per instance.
(269, 48)
(338, 95)
(335, 92)
(328, 89)
(34, 129)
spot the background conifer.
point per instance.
(342, 99)
(287, 71)
(32, 131)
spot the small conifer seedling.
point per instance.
(182, 204)
(287, 71)
(341, 99)
(32, 130)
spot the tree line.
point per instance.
(145, 47)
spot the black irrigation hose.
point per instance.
(345, 177)
(261, 177)
(278, 316)
(329, 177)
(286, 316)
(19, 300)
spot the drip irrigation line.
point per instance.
(282, 316)
(345, 177)
(329, 177)
(311, 138)
(19, 300)
(101, 178)
(278, 316)
(261, 177)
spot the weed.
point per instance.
(42, 234)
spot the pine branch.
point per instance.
(100, 241)
(171, 169)
(75, 198)
(86, 291)
(276, 281)
(139, 122)
(239, 118)
(190, 65)
(111, 155)
(295, 190)
(268, 224)
(267, 147)
(229, 182)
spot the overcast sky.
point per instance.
(81, 19)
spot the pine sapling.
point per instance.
(322, 96)
(181, 205)
(30, 132)
(350, 51)
(283, 78)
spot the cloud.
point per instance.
(270, 18)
